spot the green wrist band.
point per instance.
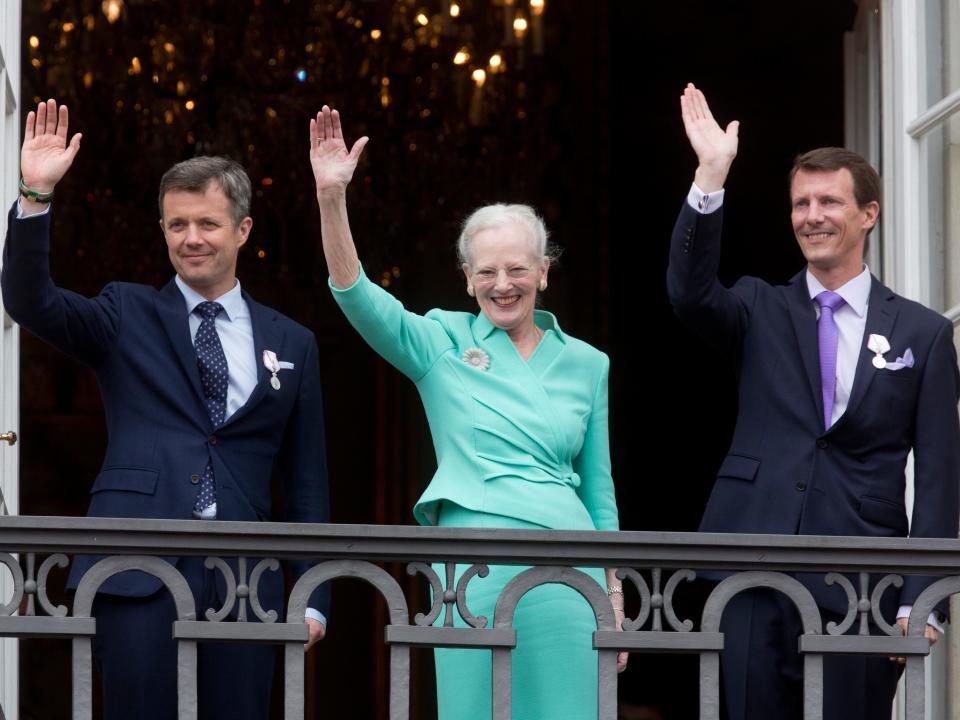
(33, 194)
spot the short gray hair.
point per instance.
(498, 215)
(196, 174)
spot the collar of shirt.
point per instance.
(234, 306)
(855, 292)
(851, 320)
(543, 319)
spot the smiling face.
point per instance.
(202, 240)
(504, 274)
(829, 225)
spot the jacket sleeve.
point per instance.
(592, 463)
(936, 453)
(302, 465)
(409, 342)
(718, 314)
(83, 328)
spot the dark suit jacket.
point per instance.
(784, 474)
(137, 339)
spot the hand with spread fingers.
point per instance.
(333, 167)
(332, 163)
(715, 147)
(46, 155)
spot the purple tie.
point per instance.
(827, 339)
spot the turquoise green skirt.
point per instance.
(554, 663)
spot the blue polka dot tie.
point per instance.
(213, 377)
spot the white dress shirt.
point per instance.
(851, 320)
(236, 336)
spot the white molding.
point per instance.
(935, 116)
(953, 315)
(911, 241)
(906, 246)
(9, 333)
(862, 71)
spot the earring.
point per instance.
(543, 284)
(470, 291)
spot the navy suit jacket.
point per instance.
(783, 473)
(137, 339)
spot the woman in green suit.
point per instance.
(518, 414)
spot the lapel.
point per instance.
(805, 327)
(527, 373)
(172, 310)
(881, 316)
(503, 350)
(267, 335)
(550, 346)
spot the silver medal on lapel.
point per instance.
(271, 363)
(878, 344)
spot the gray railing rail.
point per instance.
(654, 563)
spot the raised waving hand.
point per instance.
(715, 147)
(333, 167)
(332, 163)
(46, 156)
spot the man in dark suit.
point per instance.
(206, 394)
(838, 380)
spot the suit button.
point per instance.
(212, 439)
(822, 444)
(194, 479)
(801, 486)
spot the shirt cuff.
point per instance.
(904, 612)
(702, 202)
(311, 614)
(20, 211)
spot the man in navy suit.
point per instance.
(206, 393)
(838, 380)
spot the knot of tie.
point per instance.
(829, 300)
(209, 310)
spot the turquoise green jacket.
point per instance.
(522, 439)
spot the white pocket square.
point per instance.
(285, 365)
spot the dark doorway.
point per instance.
(588, 132)
(781, 74)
